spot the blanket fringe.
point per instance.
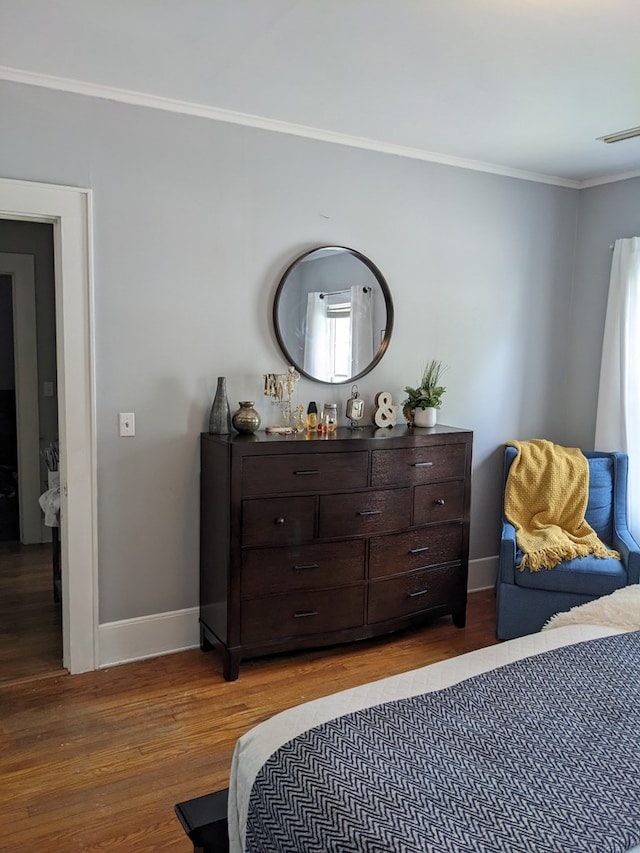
(548, 558)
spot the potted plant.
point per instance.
(421, 403)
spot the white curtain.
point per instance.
(618, 416)
(316, 338)
(361, 328)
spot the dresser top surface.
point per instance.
(366, 435)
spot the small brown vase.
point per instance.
(246, 420)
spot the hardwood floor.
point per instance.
(30, 620)
(96, 762)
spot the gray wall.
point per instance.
(606, 214)
(194, 223)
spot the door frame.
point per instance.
(21, 269)
(69, 210)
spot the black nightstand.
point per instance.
(204, 819)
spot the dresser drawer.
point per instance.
(411, 593)
(278, 521)
(438, 502)
(323, 564)
(304, 472)
(299, 614)
(364, 512)
(417, 464)
(415, 549)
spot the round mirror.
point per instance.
(333, 314)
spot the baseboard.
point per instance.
(147, 636)
(482, 573)
(163, 633)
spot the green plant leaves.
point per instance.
(429, 392)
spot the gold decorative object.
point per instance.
(246, 419)
(299, 419)
(280, 387)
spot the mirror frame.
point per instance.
(386, 293)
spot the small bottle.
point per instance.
(299, 421)
(329, 417)
(312, 417)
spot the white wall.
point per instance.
(195, 221)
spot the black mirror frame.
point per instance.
(387, 301)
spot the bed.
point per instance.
(299, 781)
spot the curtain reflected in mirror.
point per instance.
(333, 314)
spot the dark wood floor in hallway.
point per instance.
(30, 620)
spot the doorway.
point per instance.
(9, 508)
(67, 211)
(30, 617)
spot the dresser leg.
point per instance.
(460, 617)
(205, 644)
(230, 665)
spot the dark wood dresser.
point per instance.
(309, 540)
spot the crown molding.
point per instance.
(158, 102)
(608, 179)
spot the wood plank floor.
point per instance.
(30, 620)
(96, 762)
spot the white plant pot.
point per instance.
(425, 417)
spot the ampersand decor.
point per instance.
(385, 413)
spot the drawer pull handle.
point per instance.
(305, 473)
(439, 502)
(418, 593)
(418, 550)
(422, 465)
(306, 566)
(305, 613)
(279, 520)
(369, 512)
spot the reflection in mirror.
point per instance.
(333, 314)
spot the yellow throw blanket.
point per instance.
(545, 499)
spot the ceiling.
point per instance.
(520, 87)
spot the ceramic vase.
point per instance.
(220, 417)
(425, 417)
(246, 420)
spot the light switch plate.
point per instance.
(127, 423)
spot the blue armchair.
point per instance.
(526, 599)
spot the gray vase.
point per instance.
(220, 417)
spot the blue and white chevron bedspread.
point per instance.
(540, 755)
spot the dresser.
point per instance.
(311, 540)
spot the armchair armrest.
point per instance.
(507, 564)
(624, 542)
